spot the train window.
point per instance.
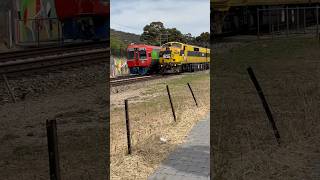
(131, 54)
(196, 49)
(19, 15)
(191, 53)
(143, 54)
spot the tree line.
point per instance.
(156, 34)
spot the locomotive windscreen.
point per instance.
(143, 54)
(131, 54)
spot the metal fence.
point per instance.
(287, 21)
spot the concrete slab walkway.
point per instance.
(191, 160)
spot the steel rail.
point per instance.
(98, 55)
(22, 54)
(131, 80)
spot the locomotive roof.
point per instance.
(142, 45)
(184, 44)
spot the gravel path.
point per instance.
(190, 161)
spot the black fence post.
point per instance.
(172, 108)
(194, 98)
(265, 104)
(128, 126)
(53, 150)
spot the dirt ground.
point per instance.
(242, 140)
(151, 120)
(78, 100)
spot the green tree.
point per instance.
(117, 46)
(151, 33)
(203, 39)
(175, 35)
(189, 39)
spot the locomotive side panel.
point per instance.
(84, 19)
(46, 21)
(177, 57)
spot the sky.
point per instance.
(188, 16)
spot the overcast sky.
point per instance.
(188, 16)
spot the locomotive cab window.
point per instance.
(131, 54)
(196, 49)
(143, 54)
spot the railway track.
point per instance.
(130, 80)
(72, 56)
(50, 50)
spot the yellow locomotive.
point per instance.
(176, 57)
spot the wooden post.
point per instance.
(278, 20)
(317, 14)
(59, 34)
(128, 126)
(304, 20)
(10, 29)
(298, 21)
(172, 108)
(258, 24)
(269, 18)
(9, 88)
(265, 104)
(194, 98)
(53, 151)
(287, 18)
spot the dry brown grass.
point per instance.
(151, 118)
(243, 143)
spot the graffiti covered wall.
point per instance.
(36, 21)
(119, 66)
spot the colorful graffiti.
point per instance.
(37, 21)
(118, 67)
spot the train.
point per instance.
(231, 17)
(176, 57)
(143, 59)
(171, 57)
(44, 21)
